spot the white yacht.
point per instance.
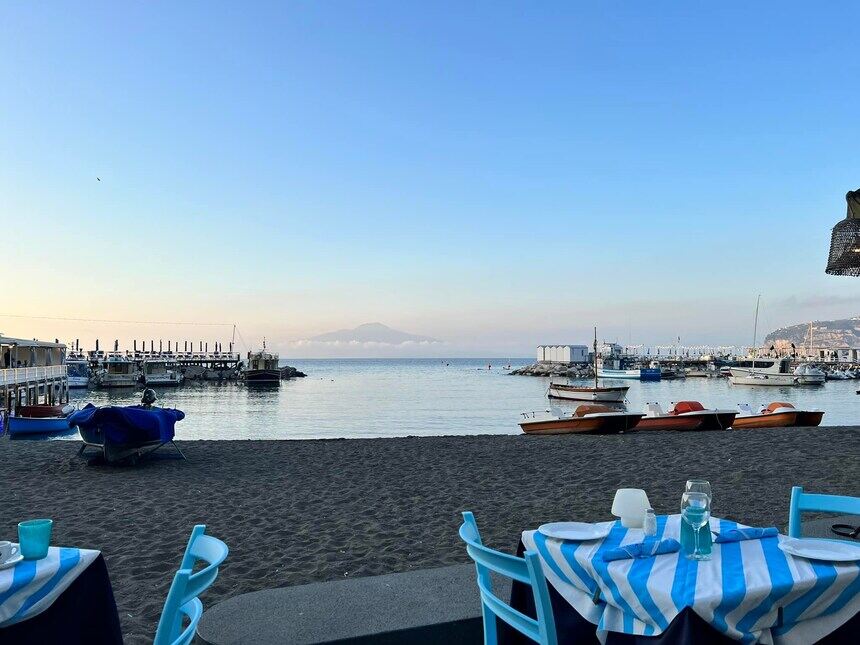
(764, 371)
(155, 371)
(118, 371)
(77, 370)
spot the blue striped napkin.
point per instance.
(739, 535)
(645, 549)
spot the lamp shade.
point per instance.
(844, 256)
(630, 505)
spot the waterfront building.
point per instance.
(32, 371)
(562, 354)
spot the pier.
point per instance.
(31, 372)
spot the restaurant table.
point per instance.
(749, 590)
(65, 598)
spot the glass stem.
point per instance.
(695, 541)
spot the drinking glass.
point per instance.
(698, 486)
(696, 511)
(34, 538)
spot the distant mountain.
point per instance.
(826, 334)
(372, 333)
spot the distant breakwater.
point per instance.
(555, 369)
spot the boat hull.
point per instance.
(591, 394)
(771, 420)
(771, 380)
(44, 425)
(809, 418)
(78, 381)
(670, 422)
(592, 424)
(263, 376)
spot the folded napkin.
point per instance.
(739, 535)
(645, 549)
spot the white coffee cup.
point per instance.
(7, 551)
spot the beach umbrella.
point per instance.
(844, 256)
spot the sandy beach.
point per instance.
(294, 512)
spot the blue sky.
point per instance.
(496, 175)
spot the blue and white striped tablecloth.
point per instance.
(31, 586)
(739, 591)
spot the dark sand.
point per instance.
(294, 512)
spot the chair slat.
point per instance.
(817, 502)
(508, 565)
(514, 618)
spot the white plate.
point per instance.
(817, 549)
(579, 531)
(11, 562)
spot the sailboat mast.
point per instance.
(595, 358)
(755, 332)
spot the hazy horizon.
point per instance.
(494, 176)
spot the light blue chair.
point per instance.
(182, 599)
(527, 570)
(809, 502)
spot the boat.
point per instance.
(805, 418)
(712, 418)
(118, 371)
(586, 419)
(618, 366)
(809, 374)
(262, 367)
(837, 375)
(594, 394)
(77, 370)
(776, 415)
(39, 419)
(155, 371)
(656, 419)
(768, 372)
(685, 415)
(125, 434)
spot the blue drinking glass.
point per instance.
(34, 538)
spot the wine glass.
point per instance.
(696, 511)
(698, 486)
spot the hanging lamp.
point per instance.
(845, 242)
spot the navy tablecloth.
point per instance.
(85, 613)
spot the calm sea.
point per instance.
(391, 398)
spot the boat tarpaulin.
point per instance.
(129, 424)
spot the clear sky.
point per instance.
(495, 175)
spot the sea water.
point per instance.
(402, 397)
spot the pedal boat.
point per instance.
(656, 419)
(776, 415)
(586, 419)
(805, 418)
(712, 419)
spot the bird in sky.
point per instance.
(98, 178)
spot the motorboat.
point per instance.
(586, 419)
(837, 375)
(40, 419)
(617, 366)
(77, 370)
(155, 371)
(594, 394)
(809, 374)
(119, 371)
(685, 415)
(764, 371)
(262, 367)
(127, 433)
(775, 415)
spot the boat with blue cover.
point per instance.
(126, 433)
